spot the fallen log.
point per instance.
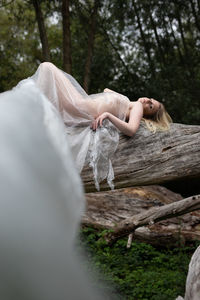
(108, 208)
(192, 290)
(149, 158)
(152, 216)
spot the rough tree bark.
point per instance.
(42, 30)
(159, 158)
(106, 209)
(154, 215)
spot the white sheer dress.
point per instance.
(77, 110)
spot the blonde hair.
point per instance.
(160, 121)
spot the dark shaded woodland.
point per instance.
(139, 48)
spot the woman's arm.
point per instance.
(129, 128)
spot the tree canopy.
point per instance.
(138, 48)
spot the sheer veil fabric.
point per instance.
(77, 110)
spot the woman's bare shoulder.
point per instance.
(136, 106)
(135, 112)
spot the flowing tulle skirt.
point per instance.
(77, 110)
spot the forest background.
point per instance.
(138, 48)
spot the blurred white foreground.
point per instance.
(41, 201)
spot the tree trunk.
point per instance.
(187, 56)
(147, 158)
(67, 60)
(192, 290)
(195, 15)
(91, 38)
(146, 47)
(177, 45)
(157, 39)
(117, 52)
(42, 30)
(106, 209)
(178, 16)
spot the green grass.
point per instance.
(141, 272)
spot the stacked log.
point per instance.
(143, 165)
(110, 208)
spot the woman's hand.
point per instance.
(99, 120)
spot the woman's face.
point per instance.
(150, 105)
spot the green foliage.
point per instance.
(18, 42)
(141, 272)
(142, 48)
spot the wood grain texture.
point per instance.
(108, 208)
(154, 215)
(149, 158)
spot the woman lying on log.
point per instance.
(150, 110)
(81, 113)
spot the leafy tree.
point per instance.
(139, 48)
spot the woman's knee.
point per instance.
(47, 65)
